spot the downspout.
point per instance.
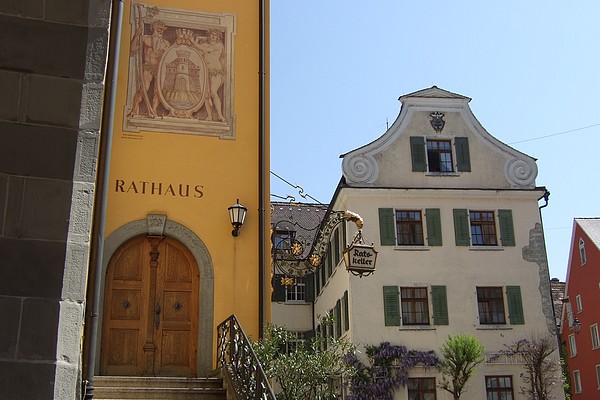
(261, 166)
(102, 186)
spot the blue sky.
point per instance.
(531, 69)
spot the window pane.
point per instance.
(409, 227)
(415, 309)
(439, 156)
(483, 228)
(490, 303)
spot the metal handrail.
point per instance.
(236, 357)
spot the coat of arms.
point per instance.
(180, 75)
(437, 121)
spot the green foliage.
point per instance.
(306, 371)
(460, 356)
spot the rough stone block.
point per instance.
(26, 381)
(96, 54)
(91, 106)
(10, 82)
(75, 275)
(86, 160)
(10, 311)
(31, 268)
(50, 48)
(54, 101)
(39, 330)
(80, 222)
(37, 151)
(70, 328)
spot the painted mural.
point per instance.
(180, 72)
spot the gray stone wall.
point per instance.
(52, 68)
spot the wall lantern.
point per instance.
(576, 325)
(237, 215)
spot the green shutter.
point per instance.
(387, 228)
(515, 305)
(278, 293)
(461, 227)
(329, 261)
(318, 281)
(391, 306)
(309, 287)
(440, 305)
(507, 231)
(346, 312)
(338, 319)
(463, 157)
(417, 151)
(434, 226)
(336, 247)
(323, 274)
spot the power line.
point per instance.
(295, 186)
(556, 134)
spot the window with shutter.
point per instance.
(440, 305)
(507, 232)
(417, 150)
(391, 306)
(434, 226)
(387, 228)
(515, 305)
(461, 227)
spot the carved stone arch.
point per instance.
(159, 225)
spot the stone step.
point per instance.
(147, 388)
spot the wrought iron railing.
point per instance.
(236, 358)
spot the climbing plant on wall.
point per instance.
(387, 370)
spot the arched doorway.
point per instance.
(150, 321)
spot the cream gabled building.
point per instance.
(454, 214)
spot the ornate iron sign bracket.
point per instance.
(289, 253)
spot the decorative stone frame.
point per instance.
(191, 119)
(159, 225)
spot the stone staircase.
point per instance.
(147, 388)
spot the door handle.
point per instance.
(157, 315)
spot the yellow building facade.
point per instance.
(189, 138)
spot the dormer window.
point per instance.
(437, 155)
(582, 256)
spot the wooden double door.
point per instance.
(150, 322)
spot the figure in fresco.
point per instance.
(212, 49)
(153, 47)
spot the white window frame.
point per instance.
(582, 255)
(452, 155)
(423, 227)
(577, 382)
(297, 291)
(595, 336)
(572, 345)
(598, 376)
(579, 303)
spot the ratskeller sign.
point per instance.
(360, 259)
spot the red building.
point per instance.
(581, 314)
